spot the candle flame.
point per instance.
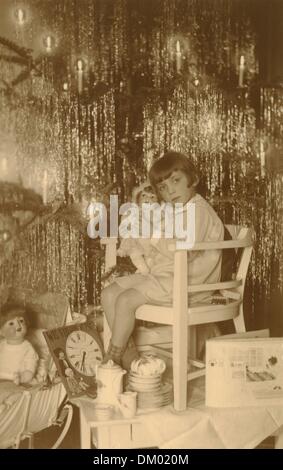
(242, 61)
(20, 16)
(178, 47)
(44, 186)
(4, 165)
(49, 43)
(80, 65)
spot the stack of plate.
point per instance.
(140, 383)
(156, 399)
(152, 393)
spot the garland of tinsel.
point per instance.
(68, 147)
(56, 259)
(129, 38)
(222, 138)
(57, 254)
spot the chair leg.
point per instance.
(239, 321)
(180, 365)
(31, 442)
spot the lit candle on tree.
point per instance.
(178, 56)
(44, 187)
(262, 158)
(242, 68)
(80, 66)
(20, 15)
(4, 167)
(48, 44)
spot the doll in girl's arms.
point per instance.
(139, 249)
(18, 359)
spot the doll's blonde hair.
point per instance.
(145, 186)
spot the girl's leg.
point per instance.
(109, 297)
(126, 304)
(108, 301)
(130, 354)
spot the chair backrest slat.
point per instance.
(242, 242)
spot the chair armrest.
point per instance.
(223, 245)
(216, 286)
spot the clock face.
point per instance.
(83, 352)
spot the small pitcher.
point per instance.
(109, 382)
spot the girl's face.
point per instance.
(147, 197)
(176, 188)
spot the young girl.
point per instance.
(140, 249)
(174, 179)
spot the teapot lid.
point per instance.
(110, 365)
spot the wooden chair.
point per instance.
(183, 318)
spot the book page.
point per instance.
(244, 372)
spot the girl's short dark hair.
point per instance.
(171, 161)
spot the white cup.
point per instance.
(128, 404)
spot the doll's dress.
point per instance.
(16, 358)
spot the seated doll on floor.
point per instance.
(18, 359)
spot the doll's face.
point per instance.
(147, 197)
(14, 330)
(69, 373)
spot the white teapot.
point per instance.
(109, 382)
